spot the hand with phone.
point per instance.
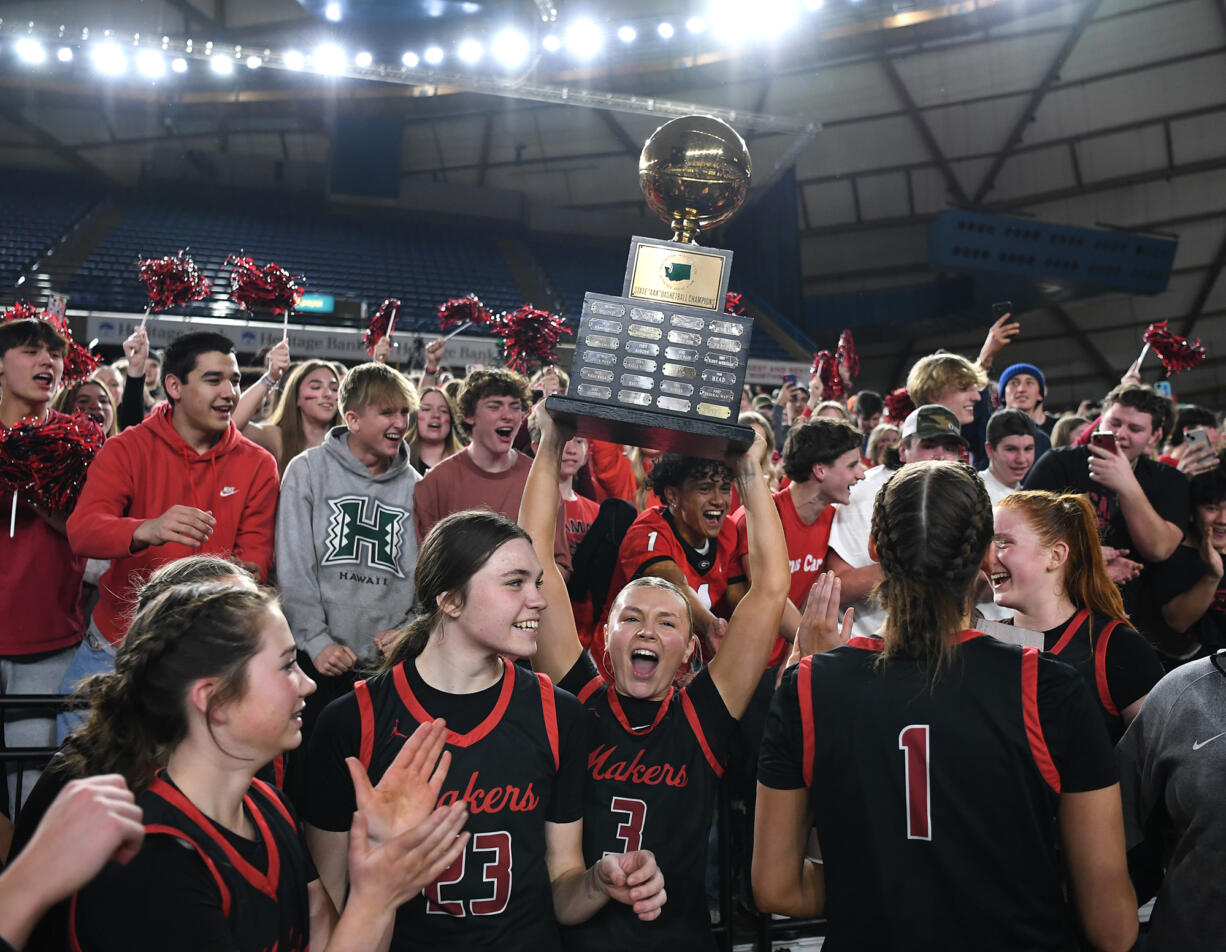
(1004, 328)
(1197, 456)
(1109, 467)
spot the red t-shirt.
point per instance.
(580, 513)
(807, 545)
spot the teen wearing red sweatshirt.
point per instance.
(184, 482)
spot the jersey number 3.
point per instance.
(630, 832)
(913, 742)
(495, 871)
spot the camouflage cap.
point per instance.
(932, 421)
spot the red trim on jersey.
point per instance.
(691, 715)
(550, 708)
(278, 769)
(1100, 670)
(1073, 627)
(804, 689)
(867, 642)
(1030, 715)
(591, 688)
(969, 634)
(477, 733)
(616, 705)
(221, 885)
(73, 944)
(366, 716)
(269, 792)
(265, 882)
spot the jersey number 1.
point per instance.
(913, 742)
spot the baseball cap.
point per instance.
(932, 421)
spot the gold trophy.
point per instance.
(662, 365)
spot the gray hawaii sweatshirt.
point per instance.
(346, 549)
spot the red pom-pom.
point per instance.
(269, 288)
(898, 405)
(381, 324)
(455, 311)
(529, 336)
(734, 303)
(1175, 352)
(173, 282)
(826, 368)
(846, 354)
(79, 363)
(46, 464)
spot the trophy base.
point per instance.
(659, 431)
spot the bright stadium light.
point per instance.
(551, 43)
(813, 4)
(329, 59)
(363, 59)
(470, 51)
(332, 12)
(150, 63)
(179, 64)
(627, 34)
(510, 48)
(434, 55)
(410, 60)
(665, 30)
(293, 60)
(696, 24)
(584, 38)
(109, 59)
(64, 54)
(30, 51)
(221, 64)
(254, 62)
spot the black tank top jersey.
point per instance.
(195, 885)
(935, 801)
(519, 766)
(653, 773)
(1117, 664)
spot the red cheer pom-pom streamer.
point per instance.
(529, 336)
(898, 405)
(734, 303)
(456, 311)
(269, 288)
(826, 368)
(381, 324)
(79, 363)
(1175, 352)
(846, 354)
(173, 282)
(46, 464)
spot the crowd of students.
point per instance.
(370, 660)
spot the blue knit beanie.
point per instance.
(1016, 369)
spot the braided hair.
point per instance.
(932, 523)
(138, 713)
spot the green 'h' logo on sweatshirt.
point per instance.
(380, 534)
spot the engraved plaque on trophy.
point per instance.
(663, 365)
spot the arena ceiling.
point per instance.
(1095, 113)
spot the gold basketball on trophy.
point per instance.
(694, 172)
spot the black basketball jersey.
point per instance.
(507, 767)
(260, 887)
(653, 773)
(935, 799)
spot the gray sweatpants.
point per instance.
(39, 674)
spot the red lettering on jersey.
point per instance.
(493, 800)
(598, 762)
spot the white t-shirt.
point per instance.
(849, 538)
(996, 489)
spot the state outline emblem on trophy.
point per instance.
(662, 365)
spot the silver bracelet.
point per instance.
(272, 385)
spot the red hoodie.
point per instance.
(145, 470)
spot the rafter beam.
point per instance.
(193, 14)
(922, 127)
(1109, 373)
(55, 146)
(619, 132)
(483, 162)
(1014, 138)
(1205, 289)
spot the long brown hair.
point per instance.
(1069, 518)
(452, 445)
(453, 552)
(932, 523)
(138, 713)
(288, 418)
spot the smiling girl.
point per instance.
(656, 752)
(308, 409)
(433, 436)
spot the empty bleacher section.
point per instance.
(574, 268)
(351, 258)
(38, 210)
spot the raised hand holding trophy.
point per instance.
(662, 365)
